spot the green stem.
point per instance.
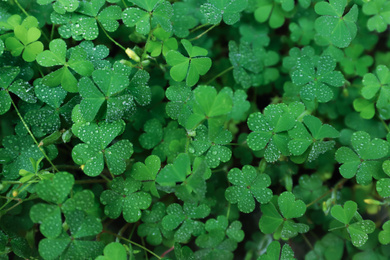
(307, 241)
(21, 8)
(124, 3)
(228, 212)
(219, 75)
(32, 136)
(109, 37)
(199, 27)
(203, 33)
(385, 125)
(52, 32)
(337, 186)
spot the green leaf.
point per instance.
(114, 251)
(382, 186)
(215, 10)
(57, 189)
(333, 25)
(271, 11)
(345, 214)
(274, 252)
(380, 15)
(176, 172)
(384, 235)
(49, 218)
(289, 207)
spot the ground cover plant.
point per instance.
(194, 129)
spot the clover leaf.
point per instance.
(113, 251)
(280, 223)
(61, 6)
(275, 252)
(56, 56)
(355, 64)
(162, 44)
(247, 184)
(363, 161)
(151, 228)
(149, 13)
(94, 152)
(383, 187)
(302, 32)
(271, 11)
(330, 246)
(313, 143)
(333, 25)
(147, 173)
(384, 235)
(183, 19)
(229, 10)
(380, 11)
(182, 220)
(153, 134)
(25, 40)
(317, 78)
(270, 131)
(357, 230)
(124, 196)
(309, 189)
(189, 68)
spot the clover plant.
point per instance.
(194, 129)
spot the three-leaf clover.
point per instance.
(94, 152)
(272, 11)
(317, 77)
(124, 196)
(276, 252)
(147, 172)
(363, 161)
(163, 43)
(270, 131)
(189, 68)
(333, 25)
(149, 13)
(281, 223)
(357, 230)
(229, 10)
(384, 235)
(56, 56)
(355, 64)
(309, 189)
(247, 185)
(380, 11)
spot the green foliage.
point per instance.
(212, 129)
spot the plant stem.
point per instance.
(219, 75)
(31, 134)
(203, 33)
(199, 27)
(337, 186)
(307, 241)
(109, 37)
(384, 123)
(124, 3)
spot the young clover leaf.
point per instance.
(317, 78)
(220, 240)
(380, 11)
(110, 89)
(312, 143)
(384, 235)
(25, 40)
(176, 172)
(149, 14)
(240, 103)
(355, 64)
(229, 10)
(281, 224)
(162, 43)
(330, 246)
(363, 161)
(114, 251)
(124, 196)
(54, 191)
(309, 189)
(56, 56)
(94, 152)
(357, 230)
(379, 83)
(333, 25)
(185, 218)
(61, 6)
(96, 54)
(147, 173)
(76, 245)
(151, 226)
(189, 68)
(18, 87)
(153, 134)
(181, 98)
(247, 184)
(183, 19)
(270, 131)
(272, 11)
(210, 105)
(302, 32)
(275, 252)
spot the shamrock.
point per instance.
(355, 64)
(302, 32)
(96, 54)
(114, 251)
(363, 161)
(147, 172)
(382, 187)
(270, 131)
(329, 247)
(247, 184)
(61, 6)
(153, 134)
(313, 144)
(184, 216)
(57, 56)
(274, 251)
(272, 11)
(189, 68)
(151, 228)
(183, 19)
(333, 25)
(92, 154)
(357, 230)
(25, 40)
(162, 44)
(149, 13)
(254, 34)
(240, 103)
(384, 235)
(124, 196)
(180, 96)
(18, 87)
(380, 11)
(229, 10)
(272, 221)
(317, 78)
(309, 189)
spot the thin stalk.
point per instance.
(384, 124)
(143, 244)
(109, 37)
(124, 3)
(307, 241)
(32, 136)
(336, 187)
(203, 33)
(52, 32)
(219, 75)
(199, 27)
